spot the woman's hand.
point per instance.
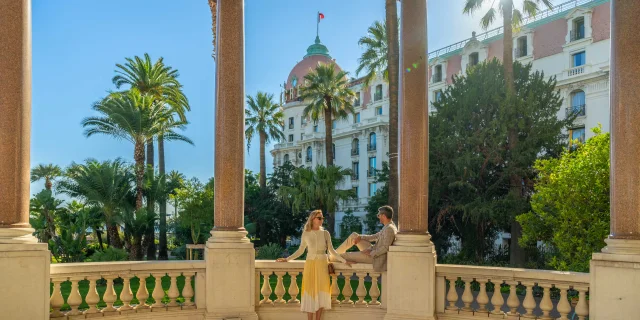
(281, 260)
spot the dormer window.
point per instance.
(356, 103)
(437, 73)
(521, 48)
(578, 30)
(474, 59)
(378, 94)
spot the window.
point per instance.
(357, 100)
(372, 166)
(437, 95)
(302, 136)
(521, 48)
(356, 118)
(356, 191)
(333, 124)
(290, 138)
(355, 167)
(579, 59)
(333, 150)
(578, 29)
(378, 111)
(303, 121)
(576, 135)
(578, 103)
(309, 154)
(372, 189)
(378, 95)
(315, 128)
(355, 147)
(437, 74)
(474, 59)
(291, 123)
(372, 141)
(286, 158)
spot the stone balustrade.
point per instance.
(356, 291)
(131, 289)
(466, 292)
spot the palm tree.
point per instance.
(213, 7)
(106, 185)
(328, 95)
(161, 82)
(48, 172)
(175, 181)
(265, 118)
(43, 209)
(317, 189)
(138, 224)
(381, 58)
(137, 119)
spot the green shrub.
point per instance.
(109, 254)
(270, 251)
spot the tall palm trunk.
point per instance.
(138, 156)
(516, 256)
(263, 165)
(113, 236)
(162, 252)
(328, 145)
(393, 65)
(150, 237)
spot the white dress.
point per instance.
(316, 287)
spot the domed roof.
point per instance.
(316, 53)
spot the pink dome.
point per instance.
(316, 53)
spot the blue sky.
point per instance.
(76, 45)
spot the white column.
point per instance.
(23, 261)
(230, 257)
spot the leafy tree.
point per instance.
(512, 17)
(317, 189)
(350, 224)
(196, 210)
(570, 206)
(71, 243)
(471, 167)
(266, 119)
(328, 95)
(47, 172)
(175, 181)
(44, 209)
(106, 185)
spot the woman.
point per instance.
(316, 288)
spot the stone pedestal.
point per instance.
(25, 281)
(231, 281)
(411, 278)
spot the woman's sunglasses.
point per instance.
(320, 218)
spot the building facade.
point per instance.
(570, 42)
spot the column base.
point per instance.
(25, 279)
(615, 279)
(236, 236)
(622, 246)
(230, 277)
(17, 236)
(411, 278)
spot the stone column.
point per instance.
(411, 261)
(23, 261)
(229, 255)
(615, 273)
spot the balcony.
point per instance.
(355, 152)
(377, 96)
(520, 52)
(284, 145)
(372, 173)
(355, 177)
(576, 35)
(356, 103)
(290, 125)
(578, 111)
(308, 159)
(371, 147)
(575, 71)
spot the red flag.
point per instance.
(320, 16)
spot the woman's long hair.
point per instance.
(309, 224)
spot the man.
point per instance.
(372, 254)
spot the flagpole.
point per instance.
(318, 24)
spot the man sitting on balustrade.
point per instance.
(372, 254)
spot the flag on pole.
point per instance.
(320, 16)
